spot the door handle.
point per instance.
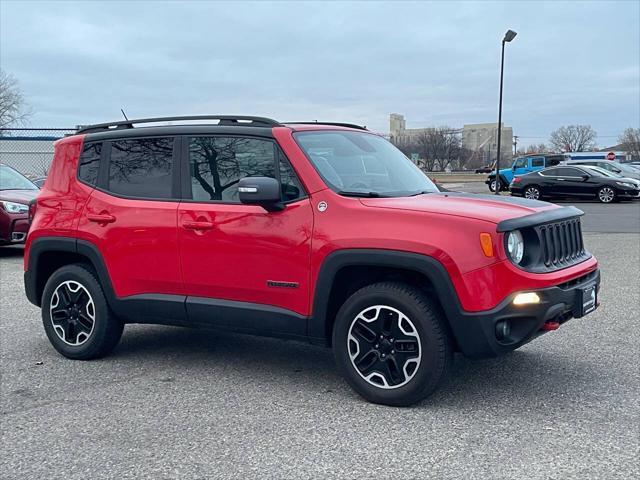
(101, 217)
(191, 225)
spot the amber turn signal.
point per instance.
(486, 244)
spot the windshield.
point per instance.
(602, 172)
(12, 180)
(626, 168)
(363, 164)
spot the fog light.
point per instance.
(503, 329)
(526, 298)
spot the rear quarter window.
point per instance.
(89, 164)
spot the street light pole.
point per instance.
(510, 35)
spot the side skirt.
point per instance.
(228, 315)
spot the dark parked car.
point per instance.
(485, 169)
(565, 181)
(624, 170)
(16, 191)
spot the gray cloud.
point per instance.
(436, 62)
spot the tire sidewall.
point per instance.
(102, 315)
(429, 371)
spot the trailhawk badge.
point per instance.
(322, 206)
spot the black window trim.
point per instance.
(105, 161)
(186, 193)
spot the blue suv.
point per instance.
(521, 166)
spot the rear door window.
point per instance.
(141, 168)
(570, 172)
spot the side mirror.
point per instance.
(263, 191)
(585, 178)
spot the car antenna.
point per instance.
(124, 115)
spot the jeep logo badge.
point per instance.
(322, 206)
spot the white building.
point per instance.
(483, 139)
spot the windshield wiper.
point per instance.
(423, 192)
(347, 193)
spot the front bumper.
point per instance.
(629, 193)
(15, 229)
(476, 334)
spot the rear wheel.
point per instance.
(532, 192)
(606, 194)
(391, 344)
(493, 184)
(76, 316)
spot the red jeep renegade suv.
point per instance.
(315, 231)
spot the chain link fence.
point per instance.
(30, 150)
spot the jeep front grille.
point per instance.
(561, 243)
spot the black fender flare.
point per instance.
(320, 326)
(83, 248)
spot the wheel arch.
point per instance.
(345, 271)
(48, 254)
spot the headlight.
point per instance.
(625, 184)
(12, 207)
(515, 246)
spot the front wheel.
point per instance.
(606, 194)
(391, 344)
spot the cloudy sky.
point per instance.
(435, 62)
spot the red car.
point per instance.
(16, 192)
(319, 232)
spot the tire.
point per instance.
(606, 194)
(395, 378)
(76, 316)
(532, 192)
(492, 185)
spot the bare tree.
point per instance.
(540, 148)
(13, 109)
(630, 141)
(440, 147)
(574, 138)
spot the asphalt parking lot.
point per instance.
(178, 403)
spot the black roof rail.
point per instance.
(335, 124)
(223, 120)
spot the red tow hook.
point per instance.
(548, 326)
